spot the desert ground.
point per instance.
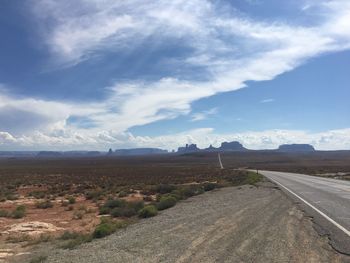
(71, 205)
(233, 224)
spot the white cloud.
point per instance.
(269, 139)
(6, 137)
(198, 116)
(27, 115)
(272, 51)
(306, 7)
(267, 100)
(231, 48)
(75, 38)
(77, 30)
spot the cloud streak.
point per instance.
(267, 100)
(199, 116)
(231, 48)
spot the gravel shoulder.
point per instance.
(234, 224)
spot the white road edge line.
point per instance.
(347, 232)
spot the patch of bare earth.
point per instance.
(19, 236)
(235, 224)
(15, 234)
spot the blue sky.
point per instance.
(94, 74)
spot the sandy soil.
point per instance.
(17, 235)
(14, 233)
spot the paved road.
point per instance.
(328, 200)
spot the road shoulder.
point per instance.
(234, 224)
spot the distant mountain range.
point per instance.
(69, 153)
(296, 148)
(225, 146)
(238, 147)
(49, 154)
(136, 151)
(188, 148)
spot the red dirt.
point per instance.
(58, 215)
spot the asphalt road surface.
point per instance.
(327, 200)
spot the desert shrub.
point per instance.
(130, 209)
(148, 211)
(69, 235)
(71, 200)
(166, 202)
(209, 186)
(177, 194)
(122, 194)
(123, 212)
(244, 177)
(253, 178)
(93, 195)
(107, 227)
(12, 186)
(78, 215)
(164, 188)
(103, 210)
(103, 230)
(109, 205)
(131, 191)
(64, 203)
(19, 212)
(112, 203)
(75, 239)
(138, 205)
(191, 190)
(83, 208)
(147, 198)
(148, 190)
(38, 194)
(4, 213)
(44, 204)
(40, 239)
(11, 196)
(21, 208)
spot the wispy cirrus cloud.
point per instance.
(230, 47)
(198, 116)
(267, 100)
(81, 29)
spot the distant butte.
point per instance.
(296, 148)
